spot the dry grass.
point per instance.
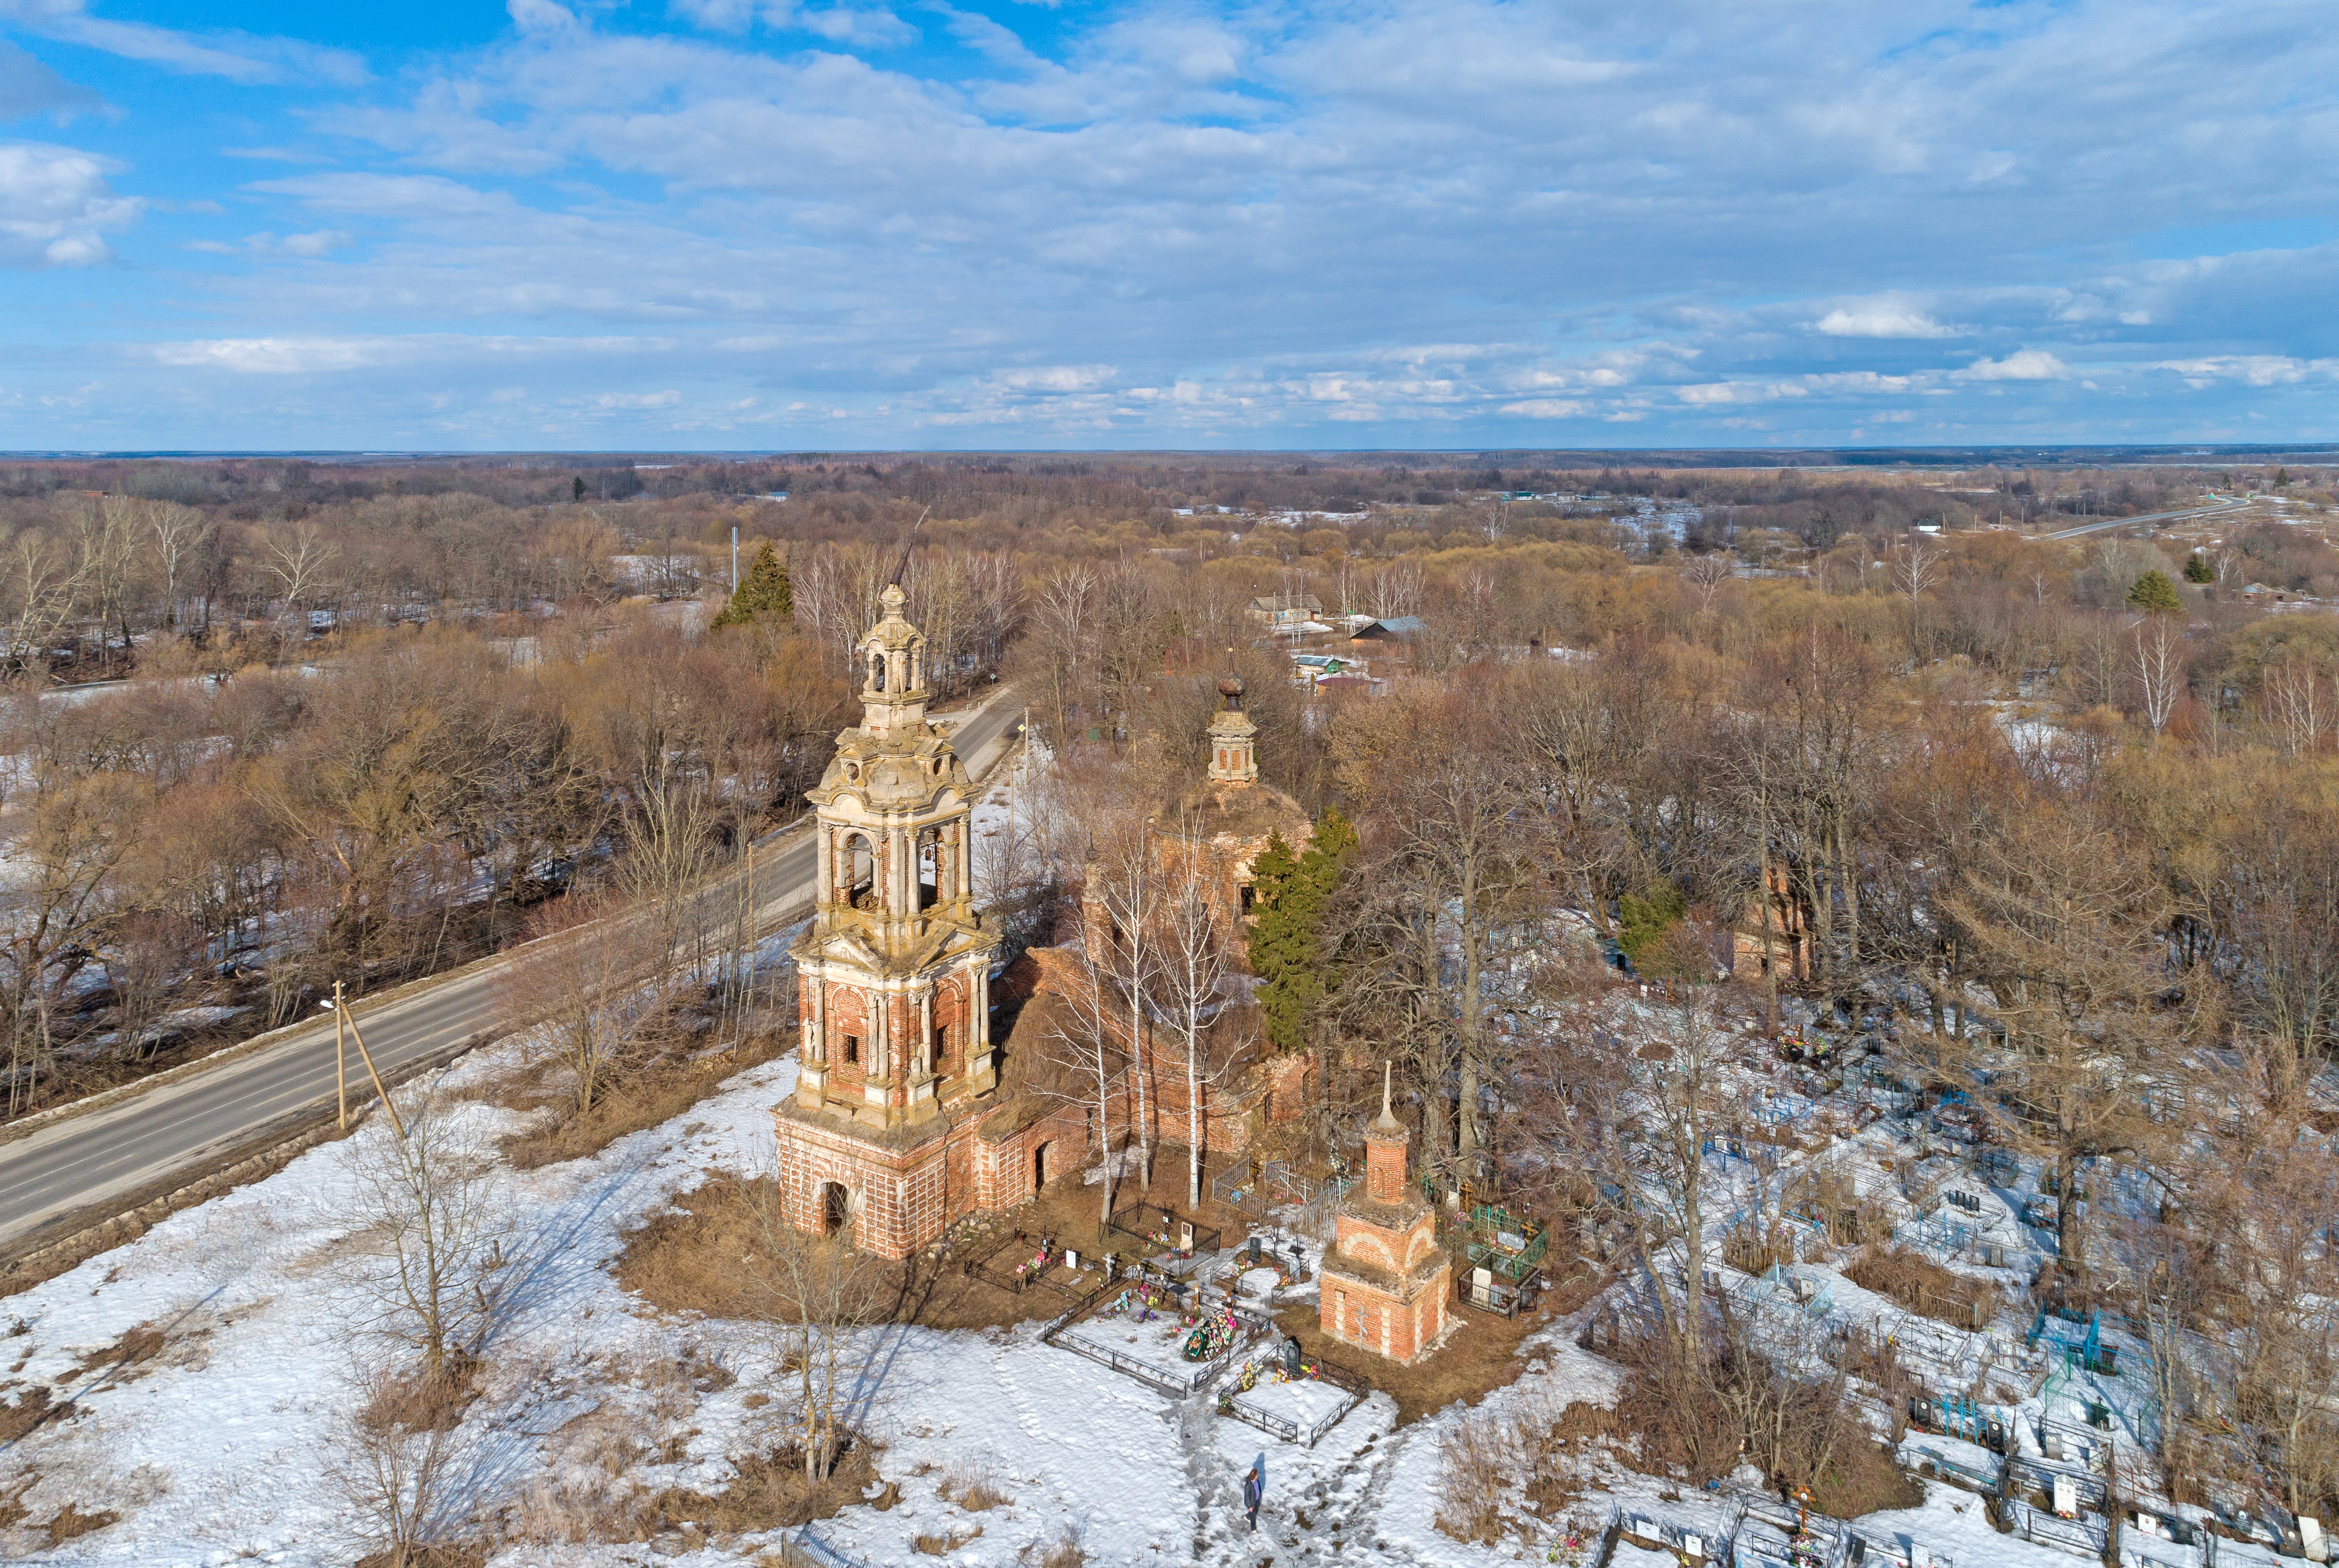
(943, 1545)
(426, 1557)
(1533, 1449)
(769, 1492)
(136, 1346)
(646, 1098)
(1474, 1473)
(71, 1522)
(972, 1487)
(417, 1400)
(26, 1411)
(1066, 1550)
(1923, 1286)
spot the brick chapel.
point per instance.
(898, 1126)
(1385, 1280)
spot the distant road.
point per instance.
(2214, 508)
(91, 1158)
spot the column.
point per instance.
(982, 989)
(817, 1029)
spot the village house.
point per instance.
(1289, 612)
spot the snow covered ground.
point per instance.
(221, 1447)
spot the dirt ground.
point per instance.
(688, 1261)
(1480, 1356)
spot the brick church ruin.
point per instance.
(907, 1115)
(897, 1126)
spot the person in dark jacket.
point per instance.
(1255, 1488)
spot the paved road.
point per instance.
(80, 1160)
(2214, 508)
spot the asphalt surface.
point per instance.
(81, 1161)
(2214, 508)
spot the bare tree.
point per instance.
(1916, 572)
(398, 1459)
(2297, 698)
(2065, 924)
(40, 591)
(1064, 609)
(816, 1296)
(1190, 940)
(590, 983)
(1122, 897)
(2160, 663)
(431, 1205)
(1705, 575)
(178, 533)
(298, 558)
(1082, 1038)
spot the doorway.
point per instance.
(836, 1208)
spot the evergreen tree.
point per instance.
(2153, 593)
(2198, 568)
(765, 594)
(1647, 919)
(1289, 897)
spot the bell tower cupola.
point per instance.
(893, 663)
(1233, 757)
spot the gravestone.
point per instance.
(1291, 1357)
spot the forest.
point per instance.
(1612, 773)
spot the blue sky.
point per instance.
(733, 224)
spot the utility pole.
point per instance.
(339, 1012)
(340, 1061)
(735, 558)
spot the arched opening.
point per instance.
(1040, 1166)
(930, 867)
(860, 873)
(836, 1208)
(877, 670)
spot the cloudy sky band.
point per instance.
(721, 222)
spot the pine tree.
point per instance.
(2153, 593)
(765, 594)
(2198, 568)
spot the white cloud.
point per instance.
(321, 242)
(276, 356)
(56, 206)
(29, 87)
(2248, 369)
(1880, 322)
(237, 56)
(1429, 219)
(539, 16)
(2023, 365)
